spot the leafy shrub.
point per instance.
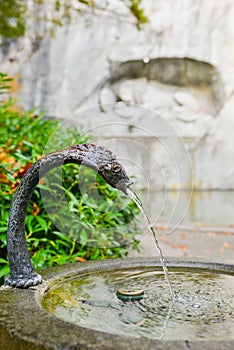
(97, 221)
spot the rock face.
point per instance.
(162, 97)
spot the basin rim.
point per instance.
(26, 325)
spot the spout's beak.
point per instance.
(123, 185)
(130, 182)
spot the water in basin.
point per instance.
(202, 307)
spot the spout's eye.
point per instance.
(106, 167)
(116, 168)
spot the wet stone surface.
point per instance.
(25, 325)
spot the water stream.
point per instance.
(200, 308)
(203, 308)
(136, 199)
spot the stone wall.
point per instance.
(161, 97)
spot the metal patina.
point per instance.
(98, 158)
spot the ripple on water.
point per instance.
(203, 305)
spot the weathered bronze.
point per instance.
(130, 295)
(102, 160)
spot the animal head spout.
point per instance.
(115, 175)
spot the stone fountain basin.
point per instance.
(24, 324)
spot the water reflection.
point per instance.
(202, 307)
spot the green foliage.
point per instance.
(12, 18)
(138, 12)
(94, 217)
(4, 83)
(13, 14)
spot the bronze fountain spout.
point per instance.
(103, 161)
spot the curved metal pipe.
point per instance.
(102, 160)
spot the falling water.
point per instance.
(140, 206)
